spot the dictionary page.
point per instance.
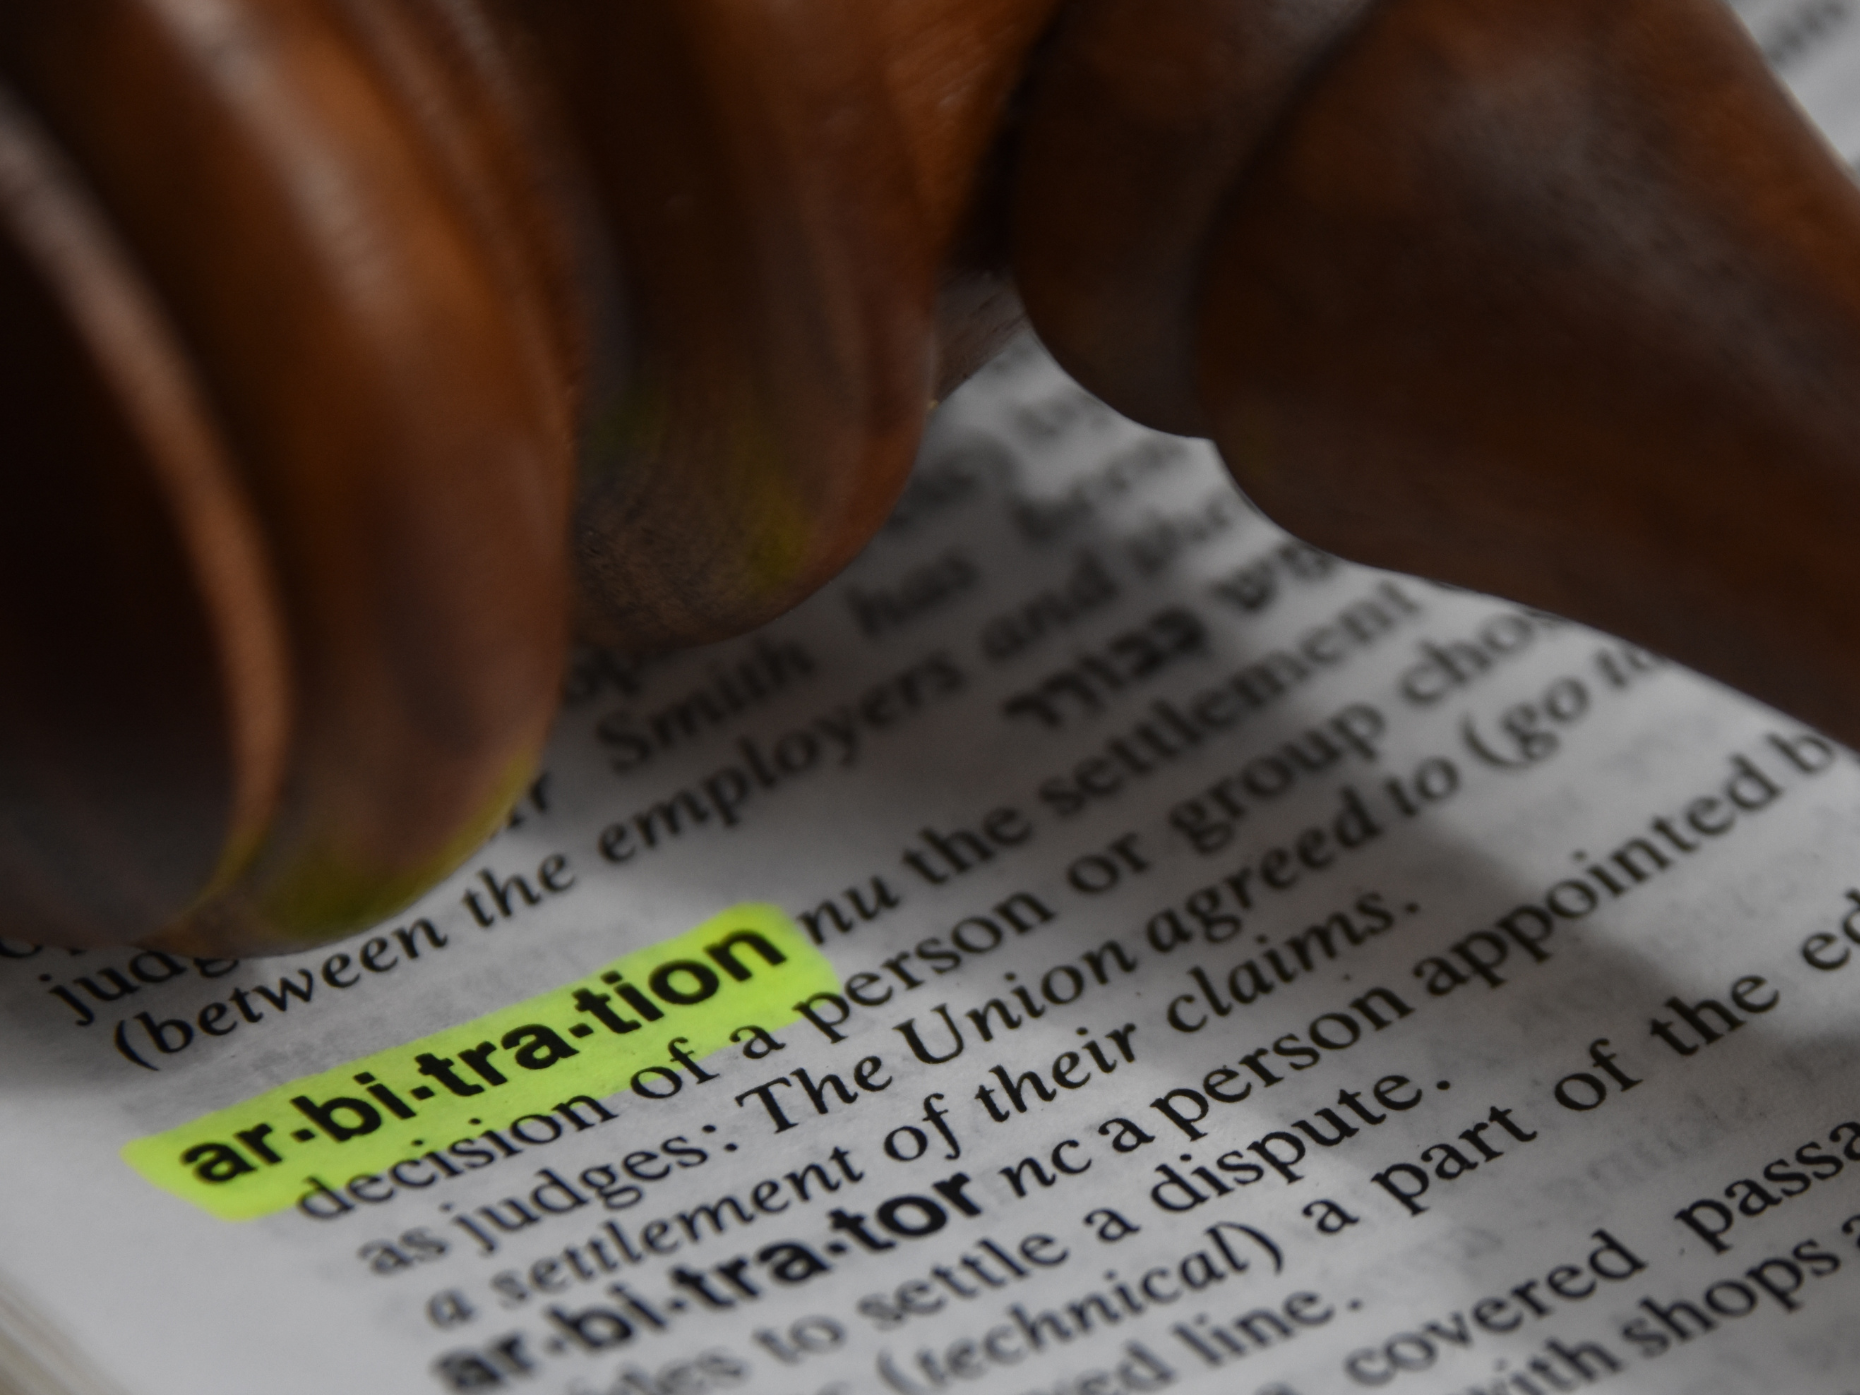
(1099, 945)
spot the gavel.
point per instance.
(356, 352)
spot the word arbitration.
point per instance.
(648, 1019)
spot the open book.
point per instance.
(1098, 946)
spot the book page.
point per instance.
(1812, 46)
(1099, 945)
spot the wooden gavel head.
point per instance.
(353, 348)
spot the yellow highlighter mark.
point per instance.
(543, 1064)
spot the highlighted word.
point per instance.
(558, 1053)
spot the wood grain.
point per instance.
(1562, 302)
(147, 705)
(779, 284)
(309, 308)
(1143, 120)
(408, 465)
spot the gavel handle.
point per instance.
(1557, 301)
